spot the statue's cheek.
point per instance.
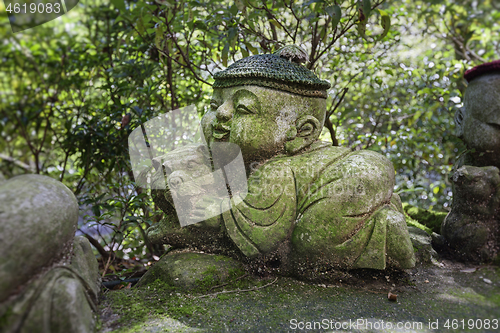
(241, 129)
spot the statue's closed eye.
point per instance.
(245, 102)
(243, 109)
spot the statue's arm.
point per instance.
(261, 220)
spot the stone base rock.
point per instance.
(192, 270)
(472, 229)
(422, 244)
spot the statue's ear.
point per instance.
(306, 130)
(459, 119)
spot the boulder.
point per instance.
(192, 270)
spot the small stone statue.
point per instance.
(49, 279)
(472, 227)
(310, 206)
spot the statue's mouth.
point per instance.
(220, 131)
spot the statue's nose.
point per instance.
(224, 112)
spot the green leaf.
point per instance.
(140, 26)
(323, 34)
(96, 210)
(362, 30)
(231, 34)
(335, 12)
(275, 23)
(233, 9)
(119, 4)
(385, 21)
(244, 52)
(367, 8)
(159, 36)
(251, 48)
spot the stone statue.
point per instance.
(472, 227)
(310, 206)
(49, 279)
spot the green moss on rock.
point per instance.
(192, 271)
(432, 220)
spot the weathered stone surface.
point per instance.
(62, 300)
(85, 263)
(472, 227)
(192, 270)
(425, 294)
(422, 243)
(38, 217)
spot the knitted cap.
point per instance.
(281, 70)
(488, 67)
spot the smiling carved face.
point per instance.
(259, 120)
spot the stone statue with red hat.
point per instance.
(472, 227)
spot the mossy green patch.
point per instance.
(138, 306)
(492, 300)
(192, 270)
(266, 306)
(428, 218)
(414, 223)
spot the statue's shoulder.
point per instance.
(325, 145)
(321, 151)
(317, 156)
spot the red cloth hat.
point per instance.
(487, 67)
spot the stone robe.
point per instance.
(327, 206)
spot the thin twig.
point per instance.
(16, 162)
(377, 122)
(106, 267)
(225, 284)
(238, 290)
(330, 112)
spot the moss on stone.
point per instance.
(192, 271)
(414, 223)
(431, 219)
(168, 309)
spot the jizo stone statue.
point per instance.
(472, 227)
(310, 206)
